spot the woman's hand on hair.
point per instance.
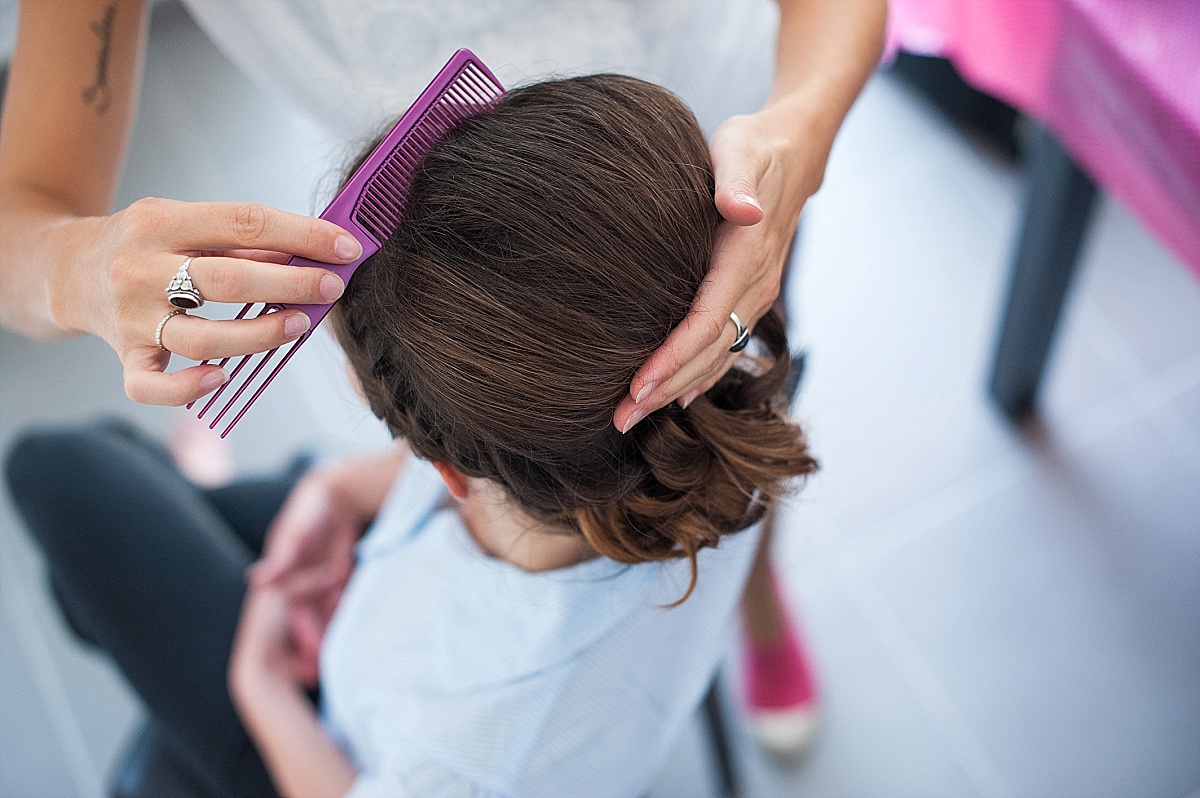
(765, 171)
(112, 273)
(767, 165)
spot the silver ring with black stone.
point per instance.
(182, 292)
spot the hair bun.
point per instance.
(711, 469)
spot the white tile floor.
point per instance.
(995, 612)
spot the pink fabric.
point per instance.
(1118, 81)
(1004, 47)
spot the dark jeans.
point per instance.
(149, 567)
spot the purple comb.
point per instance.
(371, 206)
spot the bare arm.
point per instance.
(767, 164)
(72, 90)
(826, 52)
(299, 755)
(293, 592)
(301, 758)
(65, 267)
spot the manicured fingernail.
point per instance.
(295, 324)
(646, 390)
(331, 287)
(688, 399)
(214, 379)
(346, 247)
(746, 199)
(633, 419)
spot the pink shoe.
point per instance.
(780, 690)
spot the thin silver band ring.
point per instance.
(743, 334)
(163, 323)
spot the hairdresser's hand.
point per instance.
(767, 165)
(765, 170)
(112, 277)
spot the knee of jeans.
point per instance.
(44, 462)
(28, 460)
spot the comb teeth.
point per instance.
(385, 196)
(240, 380)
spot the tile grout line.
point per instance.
(983, 773)
(946, 502)
(46, 677)
(1176, 431)
(847, 563)
(1150, 391)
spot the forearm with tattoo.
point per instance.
(97, 94)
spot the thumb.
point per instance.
(736, 179)
(280, 560)
(262, 573)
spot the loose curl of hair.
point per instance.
(550, 246)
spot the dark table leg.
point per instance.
(722, 747)
(1057, 208)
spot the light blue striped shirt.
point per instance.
(447, 672)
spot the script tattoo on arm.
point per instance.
(97, 94)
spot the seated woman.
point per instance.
(541, 601)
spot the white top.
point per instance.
(447, 672)
(355, 65)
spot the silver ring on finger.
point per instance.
(743, 334)
(182, 292)
(158, 332)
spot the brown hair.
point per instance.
(550, 246)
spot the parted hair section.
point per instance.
(550, 246)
